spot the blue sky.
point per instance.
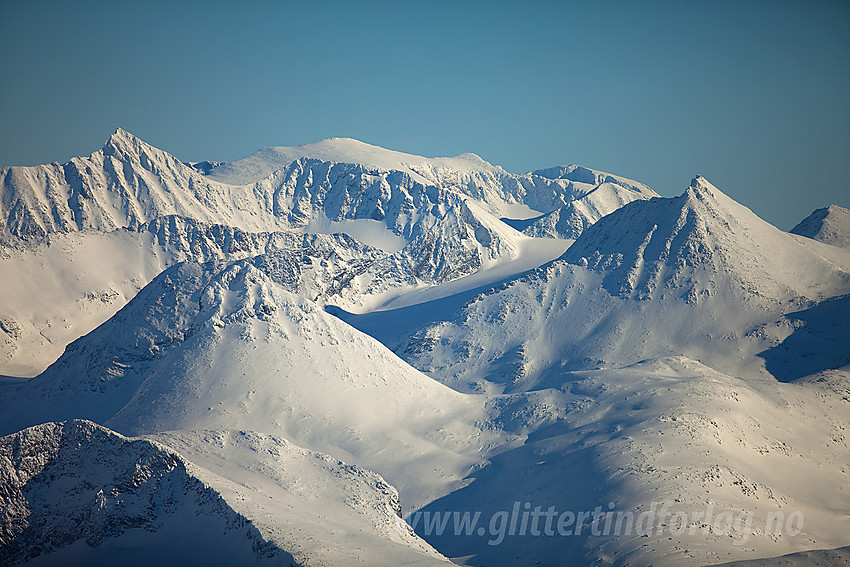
(752, 95)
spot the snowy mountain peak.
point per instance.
(701, 189)
(698, 243)
(830, 225)
(342, 150)
(123, 145)
(121, 139)
(586, 175)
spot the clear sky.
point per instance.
(755, 96)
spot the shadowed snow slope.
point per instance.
(132, 502)
(120, 500)
(324, 511)
(653, 440)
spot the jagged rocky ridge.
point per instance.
(445, 214)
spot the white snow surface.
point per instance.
(563, 338)
(342, 150)
(143, 501)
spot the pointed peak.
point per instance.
(700, 182)
(121, 134)
(830, 225)
(123, 143)
(120, 139)
(702, 190)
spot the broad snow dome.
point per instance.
(341, 150)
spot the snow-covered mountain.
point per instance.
(558, 340)
(518, 197)
(134, 501)
(830, 225)
(596, 195)
(434, 226)
(697, 275)
(243, 346)
(80, 286)
(73, 492)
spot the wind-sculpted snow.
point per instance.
(77, 485)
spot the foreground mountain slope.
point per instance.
(120, 500)
(131, 501)
(830, 225)
(325, 511)
(670, 451)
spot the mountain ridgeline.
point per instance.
(277, 360)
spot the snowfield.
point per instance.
(337, 354)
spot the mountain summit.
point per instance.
(830, 225)
(341, 150)
(697, 244)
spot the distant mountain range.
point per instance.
(315, 355)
